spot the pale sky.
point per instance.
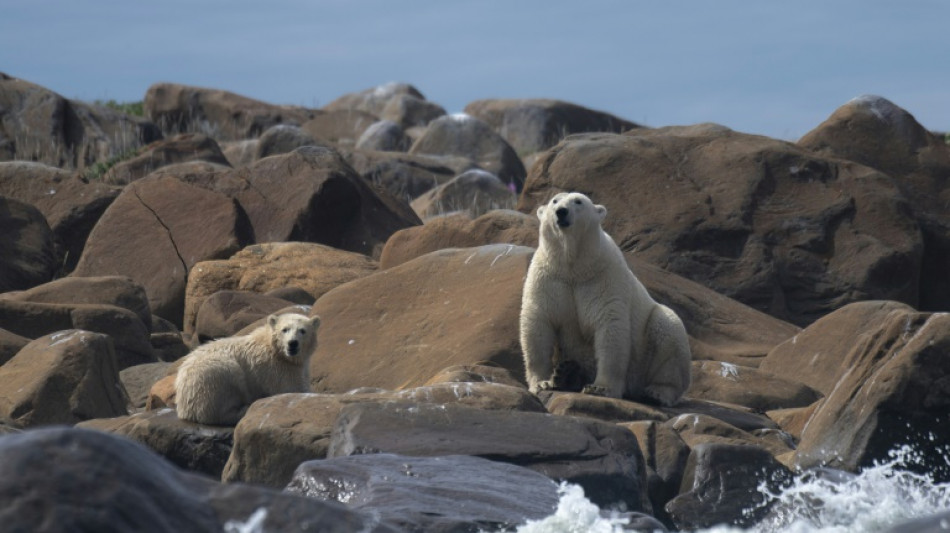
(765, 67)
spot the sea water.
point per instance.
(876, 499)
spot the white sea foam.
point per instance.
(574, 514)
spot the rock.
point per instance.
(281, 139)
(602, 458)
(600, 408)
(280, 432)
(475, 192)
(178, 149)
(120, 291)
(721, 486)
(261, 268)
(397, 328)
(71, 204)
(224, 115)
(37, 124)
(129, 335)
(500, 226)
(374, 99)
(29, 247)
(384, 135)
(162, 393)
(817, 356)
(339, 127)
(725, 382)
(425, 493)
(875, 132)
(155, 231)
(665, 455)
(201, 449)
(312, 195)
(224, 313)
(466, 136)
(240, 153)
(408, 111)
(533, 125)
(891, 390)
(125, 487)
(778, 228)
(735, 415)
(63, 378)
(139, 379)
(10, 344)
(475, 374)
(697, 429)
(404, 175)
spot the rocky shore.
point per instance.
(812, 278)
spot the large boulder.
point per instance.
(466, 136)
(122, 486)
(424, 493)
(535, 124)
(29, 247)
(260, 268)
(475, 192)
(311, 194)
(178, 149)
(155, 231)
(410, 111)
(398, 327)
(602, 458)
(751, 387)
(374, 99)
(225, 313)
(768, 223)
(338, 127)
(224, 115)
(891, 388)
(36, 124)
(62, 378)
(875, 132)
(71, 204)
(384, 135)
(281, 139)
(404, 175)
(120, 291)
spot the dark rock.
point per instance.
(29, 248)
(339, 127)
(138, 380)
(178, 149)
(120, 291)
(10, 344)
(281, 139)
(439, 494)
(386, 136)
(404, 175)
(224, 313)
(408, 110)
(475, 192)
(725, 382)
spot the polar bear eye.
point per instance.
(303, 332)
(578, 201)
(285, 330)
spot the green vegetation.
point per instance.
(131, 108)
(95, 171)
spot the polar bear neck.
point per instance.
(578, 257)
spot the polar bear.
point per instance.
(218, 381)
(584, 309)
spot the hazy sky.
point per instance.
(759, 66)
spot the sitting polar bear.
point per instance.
(218, 381)
(583, 309)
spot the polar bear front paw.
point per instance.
(594, 390)
(545, 385)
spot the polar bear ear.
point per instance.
(272, 321)
(315, 320)
(601, 212)
(541, 211)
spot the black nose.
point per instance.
(561, 212)
(292, 346)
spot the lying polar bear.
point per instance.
(584, 309)
(218, 381)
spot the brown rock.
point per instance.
(462, 135)
(339, 127)
(240, 153)
(261, 268)
(397, 328)
(600, 408)
(224, 313)
(202, 449)
(532, 125)
(178, 149)
(408, 111)
(221, 114)
(384, 135)
(475, 192)
(875, 132)
(765, 222)
(794, 419)
(374, 99)
(893, 389)
(71, 204)
(62, 378)
(120, 291)
(475, 374)
(665, 454)
(162, 393)
(40, 125)
(404, 175)
(696, 429)
(10, 344)
(281, 139)
(29, 248)
(139, 379)
(312, 195)
(725, 382)
(155, 231)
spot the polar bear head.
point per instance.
(570, 213)
(294, 335)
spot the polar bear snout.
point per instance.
(293, 346)
(563, 217)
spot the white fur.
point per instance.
(582, 302)
(218, 381)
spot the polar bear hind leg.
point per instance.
(669, 356)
